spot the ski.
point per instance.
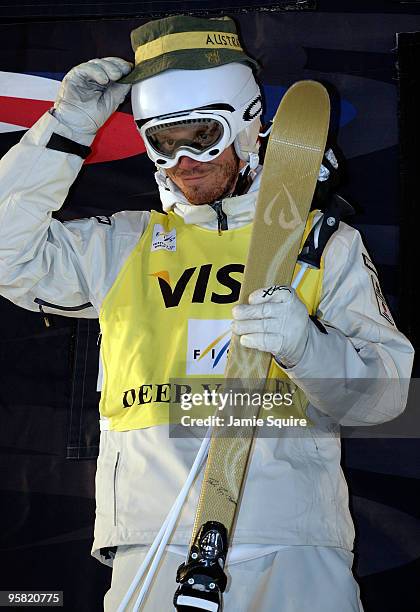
(292, 161)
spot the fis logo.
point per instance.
(162, 240)
(172, 291)
(208, 346)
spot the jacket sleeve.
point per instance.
(356, 343)
(64, 267)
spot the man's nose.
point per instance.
(186, 163)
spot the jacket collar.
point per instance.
(239, 209)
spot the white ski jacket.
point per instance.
(295, 493)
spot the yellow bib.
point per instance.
(167, 316)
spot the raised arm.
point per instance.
(42, 259)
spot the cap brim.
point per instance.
(186, 60)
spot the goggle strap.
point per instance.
(210, 107)
(164, 126)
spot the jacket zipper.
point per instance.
(115, 487)
(222, 223)
(47, 321)
(45, 317)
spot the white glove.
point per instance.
(88, 94)
(276, 321)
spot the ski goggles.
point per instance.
(200, 136)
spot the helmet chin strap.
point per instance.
(244, 181)
(254, 160)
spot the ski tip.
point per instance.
(307, 94)
(308, 84)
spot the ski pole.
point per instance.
(159, 543)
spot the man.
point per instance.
(159, 281)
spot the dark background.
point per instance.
(368, 54)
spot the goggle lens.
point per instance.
(198, 135)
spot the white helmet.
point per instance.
(198, 113)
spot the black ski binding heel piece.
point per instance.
(202, 579)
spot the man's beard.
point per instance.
(223, 184)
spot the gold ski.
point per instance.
(292, 162)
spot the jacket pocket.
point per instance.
(42, 303)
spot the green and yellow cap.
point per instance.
(184, 42)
